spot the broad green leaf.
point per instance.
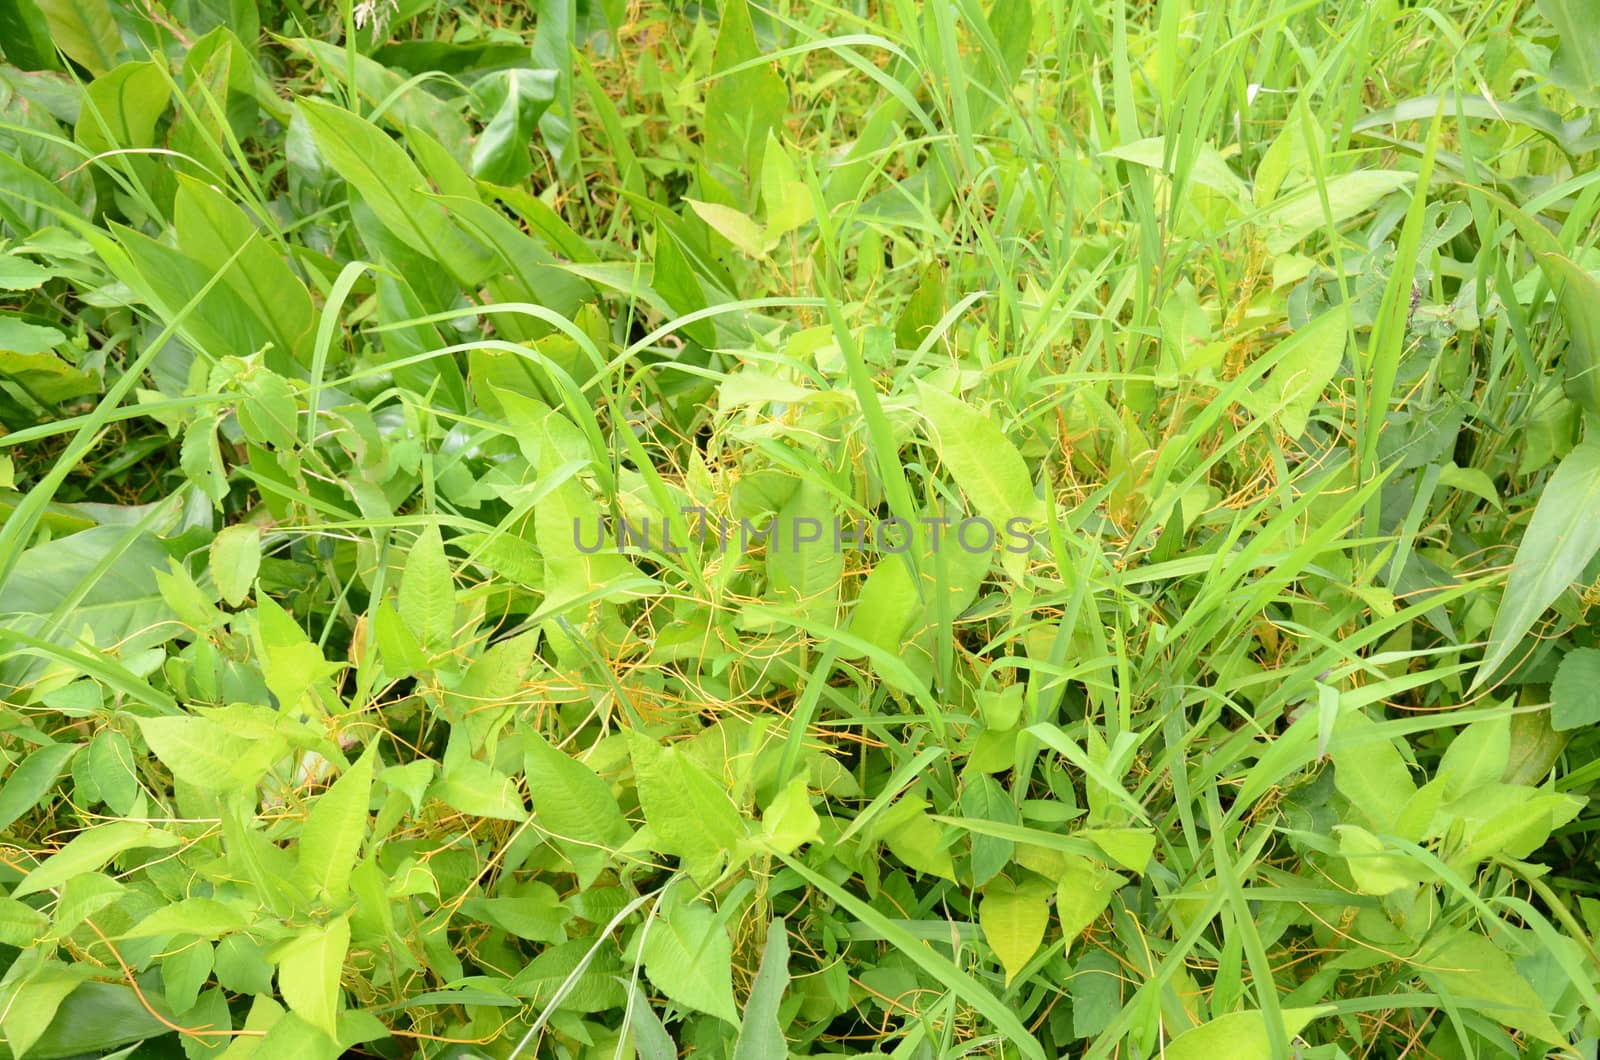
(1129, 847)
(1575, 66)
(86, 31)
(984, 463)
(32, 780)
(803, 566)
(21, 925)
(1560, 541)
(567, 525)
(516, 99)
(761, 1035)
(28, 1005)
(1238, 1036)
(1578, 296)
(575, 806)
(743, 103)
(1297, 214)
(122, 108)
(690, 814)
(309, 966)
(916, 838)
(535, 913)
(740, 229)
(115, 770)
(203, 917)
(1083, 893)
(1375, 869)
(1014, 916)
(1305, 363)
(200, 457)
(790, 821)
(1371, 773)
(687, 953)
(217, 233)
(235, 559)
(390, 183)
(478, 789)
(89, 851)
(983, 799)
(785, 197)
(208, 753)
(1477, 755)
(1575, 694)
(335, 829)
(1474, 973)
(887, 606)
(27, 36)
(427, 599)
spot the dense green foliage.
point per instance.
(329, 336)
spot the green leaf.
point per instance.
(389, 182)
(309, 966)
(209, 754)
(738, 228)
(1239, 1036)
(218, 234)
(21, 925)
(1578, 296)
(1305, 363)
(27, 36)
(1371, 774)
(122, 108)
(1375, 869)
(1575, 694)
(575, 806)
(111, 764)
(476, 788)
(86, 31)
(983, 799)
(761, 1036)
(790, 821)
(517, 99)
(742, 105)
(687, 953)
(335, 828)
(206, 918)
(26, 360)
(988, 468)
(427, 598)
(1575, 66)
(33, 780)
(235, 559)
(1477, 755)
(1083, 893)
(1129, 847)
(1474, 973)
(887, 606)
(1560, 541)
(1013, 917)
(89, 851)
(785, 197)
(803, 566)
(535, 914)
(200, 457)
(18, 273)
(28, 1005)
(689, 813)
